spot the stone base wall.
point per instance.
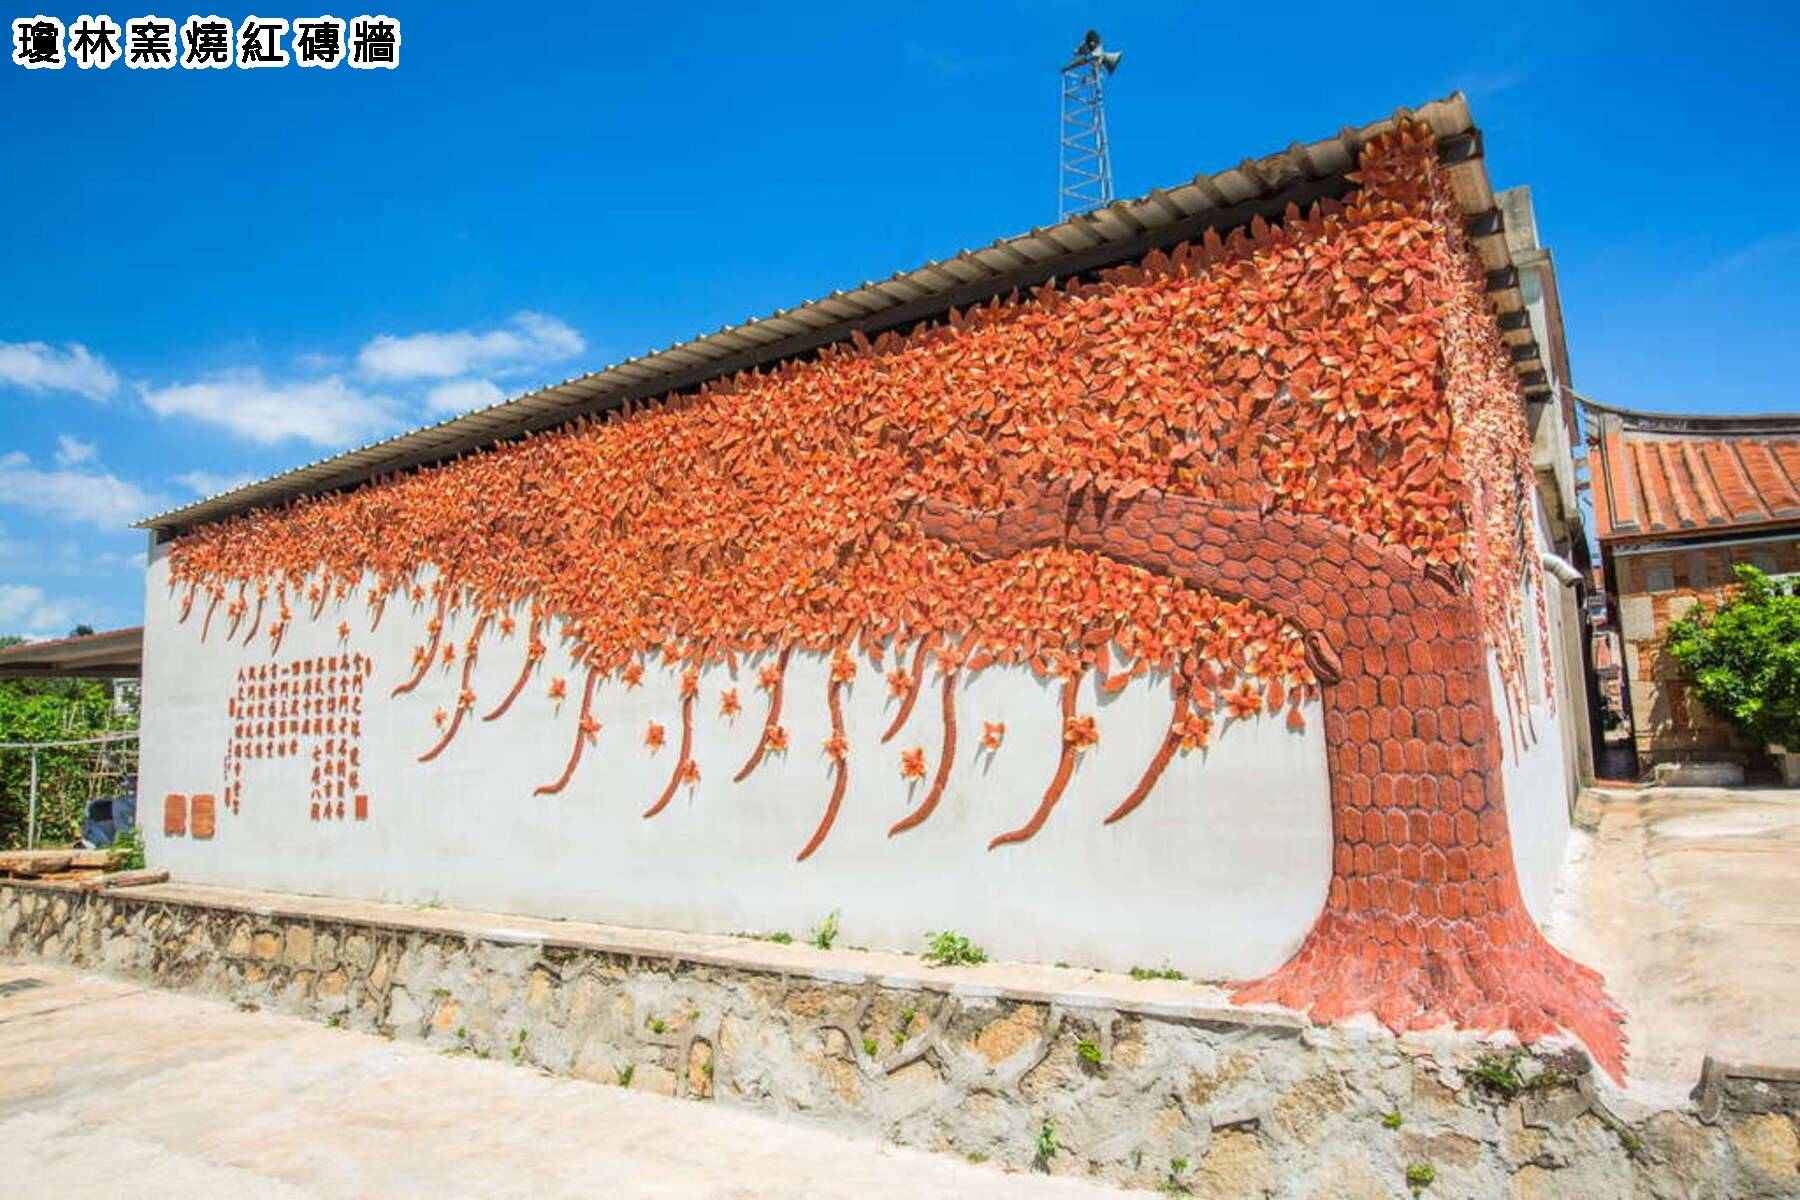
(1151, 1095)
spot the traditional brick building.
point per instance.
(1679, 501)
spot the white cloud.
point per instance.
(65, 557)
(531, 340)
(325, 412)
(27, 612)
(71, 450)
(213, 483)
(38, 367)
(463, 395)
(96, 498)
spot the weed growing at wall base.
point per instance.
(128, 850)
(951, 949)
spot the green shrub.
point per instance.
(49, 710)
(1743, 657)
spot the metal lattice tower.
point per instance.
(1085, 181)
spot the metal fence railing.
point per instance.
(106, 767)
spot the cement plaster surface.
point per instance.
(109, 1088)
(1688, 900)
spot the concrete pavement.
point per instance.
(1688, 899)
(112, 1089)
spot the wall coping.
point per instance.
(1066, 987)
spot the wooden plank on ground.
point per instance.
(49, 862)
(36, 862)
(119, 879)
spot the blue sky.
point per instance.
(217, 275)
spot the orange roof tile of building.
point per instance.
(1660, 475)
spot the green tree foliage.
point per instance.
(49, 710)
(1744, 657)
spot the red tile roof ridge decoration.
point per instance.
(1687, 474)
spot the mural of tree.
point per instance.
(1281, 465)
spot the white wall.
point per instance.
(1540, 769)
(1220, 872)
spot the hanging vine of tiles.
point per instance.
(1339, 371)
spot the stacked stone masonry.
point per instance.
(1239, 1104)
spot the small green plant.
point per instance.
(1498, 1073)
(900, 1036)
(1156, 973)
(1175, 1185)
(128, 850)
(976, 1157)
(780, 937)
(462, 1031)
(1089, 1051)
(335, 1021)
(1420, 1176)
(658, 1025)
(1047, 1145)
(626, 1074)
(518, 1048)
(1393, 1121)
(707, 1070)
(951, 949)
(441, 993)
(827, 931)
(871, 1047)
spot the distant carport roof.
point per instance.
(116, 654)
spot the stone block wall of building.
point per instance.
(1656, 588)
